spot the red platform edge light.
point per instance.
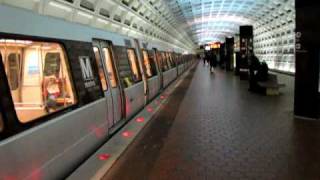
(104, 156)
(140, 119)
(149, 109)
(10, 178)
(127, 134)
(162, 97)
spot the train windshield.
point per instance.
(38, 77)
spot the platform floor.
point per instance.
(213, 128)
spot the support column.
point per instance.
(222, 53)
(306, 101)
(229, 54)
(246, 50)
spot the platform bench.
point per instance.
(272, 86)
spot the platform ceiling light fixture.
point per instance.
(115, 25)
(103, 21)
(125, 29)
(60, 6)
(85, 14)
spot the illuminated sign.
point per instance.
(215, 46)
(87, 71)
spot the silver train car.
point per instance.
(65, 88)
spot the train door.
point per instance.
(103, 51)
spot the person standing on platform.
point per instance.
(213, 62)
(203, 57)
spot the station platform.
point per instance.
(212, 127)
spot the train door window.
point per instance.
(168, 61)
(134, 65)
(178, 60)
(159, 59)
(38, 76)
(152, 62)
(110, 67)
(164, 62)
(146, 63)
(100, 68)
(171, 60)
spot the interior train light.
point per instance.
(140, 119)
(104, 156)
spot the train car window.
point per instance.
(177, 59)
(110, 67)
(168, 61)
(134, 65)
(38, 76)
(171, 60)
(164, 62)
(153, 62)
(123, 66)
(100, 68)
(159, 59)
(146, 63)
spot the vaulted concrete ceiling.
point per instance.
(213, 20)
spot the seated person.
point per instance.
(256, 74)
(52, 87)
(262, 74)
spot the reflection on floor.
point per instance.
(213, 128)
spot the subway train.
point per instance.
(66, 88)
